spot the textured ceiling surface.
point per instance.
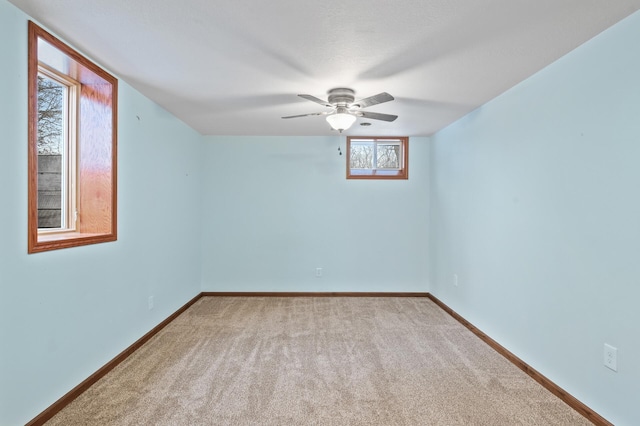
(235, 67)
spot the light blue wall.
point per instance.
(536, 206)
(276, 208)
(531, 200)
(64, 314)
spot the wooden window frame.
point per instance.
(95, 162)
(402, 173)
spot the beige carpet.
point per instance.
(316, 361)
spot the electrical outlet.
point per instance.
(610, 357)
(318, 272)
(150, 302)
(455, 280)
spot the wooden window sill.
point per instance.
(54, 241)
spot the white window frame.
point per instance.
(69, 214)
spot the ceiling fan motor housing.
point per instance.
(341, 96)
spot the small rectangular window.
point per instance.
(377, 158)
(72, 147)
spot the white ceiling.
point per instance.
(234, 67)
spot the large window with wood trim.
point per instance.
(72, 147)
(377, 157)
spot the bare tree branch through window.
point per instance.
(50, 125)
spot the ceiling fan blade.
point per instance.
(377, 116)
(306, 115)
(316, 100)
(373, 100)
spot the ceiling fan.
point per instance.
(344, 110)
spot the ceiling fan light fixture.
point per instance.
(341, 121)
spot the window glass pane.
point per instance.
(54, 58)
(388, 156)
(361, 155)
(51, 105)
